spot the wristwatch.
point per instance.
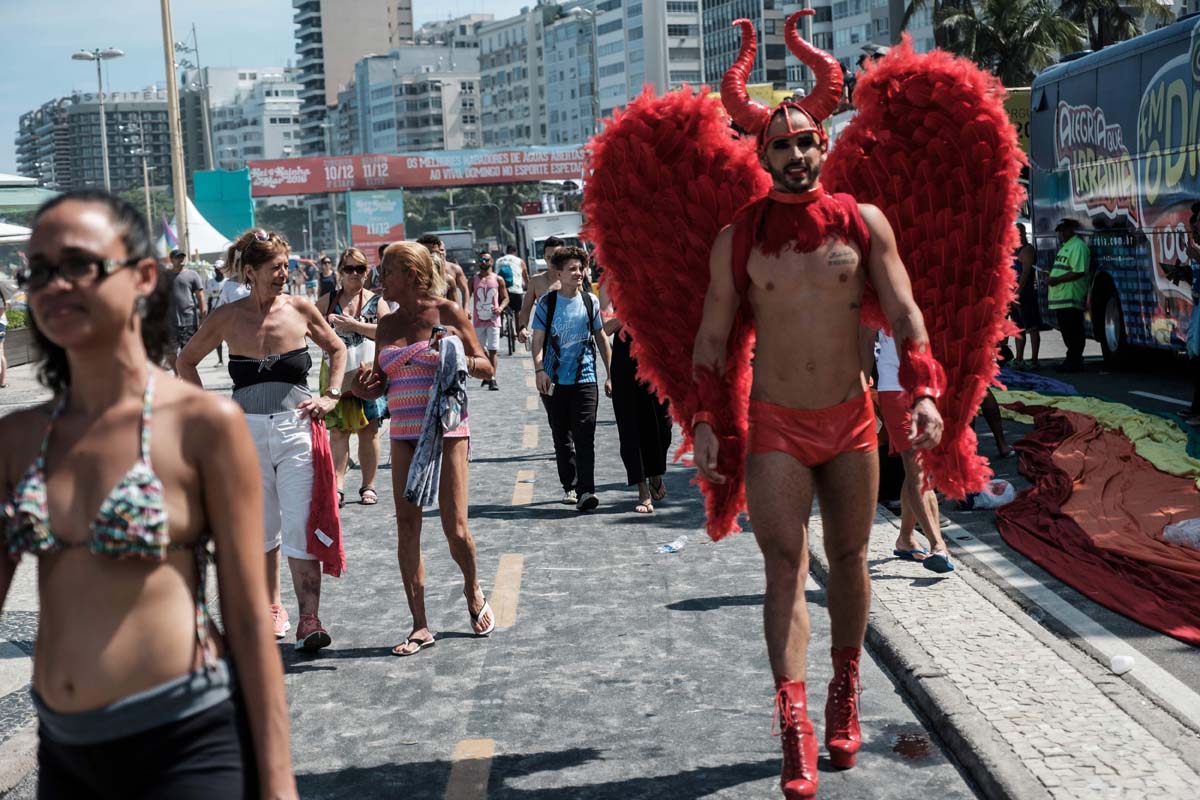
(334, 392)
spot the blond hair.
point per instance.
(253, 249)
(410, 256)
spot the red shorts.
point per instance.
(813, 437)
(897, 418)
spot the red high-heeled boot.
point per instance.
(843, 737)
(799, 777)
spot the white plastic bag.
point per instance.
(997, 493)
(1186, 533)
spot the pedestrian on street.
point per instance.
(354, 312)
(490, 298)
(405, 369)
(311, 280)
(3, 333)
(918, 506)
(1027, 315)
(327, 282)
(133, 684)
(539, 285)
(269, 364)
(187, 305)
(643, 420)
(456, 280)
(212, 296)
(1068, 285)
(512, 269)
(567, 331)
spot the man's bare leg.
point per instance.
(273, 576)
(306, 581)
(847, 487)
(917, 507)
(779, 498)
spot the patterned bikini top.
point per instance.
(131, 523)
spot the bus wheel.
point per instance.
(1113, 343)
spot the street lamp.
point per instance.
(194, 50)
(98, 55)
(140, 149)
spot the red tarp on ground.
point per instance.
(1094, 520)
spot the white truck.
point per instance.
(534, 229)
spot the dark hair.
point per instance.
(512, 248)
(430, 240)
(553, 241)
(564, 254)
(54, 371)
(383, 249)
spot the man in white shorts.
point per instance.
(489, 299)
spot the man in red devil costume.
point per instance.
(801, 259)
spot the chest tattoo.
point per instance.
(842, 256)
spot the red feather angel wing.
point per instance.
(667, 175)
(933, 148)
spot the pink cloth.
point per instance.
(486, 296)
(323, 512)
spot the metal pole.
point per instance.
(103, 125)
(145, 168)
(333, 212)
(595, 76)
(208, 144)
(178, 177)
(450, 192)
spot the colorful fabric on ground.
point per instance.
(1033, 382)
(1158, 440)
(1094, 519)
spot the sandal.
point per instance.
(367, 496)
(403, 649)
(644, 507)
(341, 499)
(658, 490)
(485, 611)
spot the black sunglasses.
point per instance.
(355, 269)
(73, 268)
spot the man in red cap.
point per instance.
(801, 259)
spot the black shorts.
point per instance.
(515, 299)
(207, 755)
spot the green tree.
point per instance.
(288, 220)
(1014, 39)
(161, 202)
(943, 37)
(1110, 21)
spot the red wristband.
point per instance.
(920, 374)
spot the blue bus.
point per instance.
(1115, 144)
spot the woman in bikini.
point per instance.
(118, 486)
(406, 361)
(354, 311)
(269, 362)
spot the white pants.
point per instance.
(489, 338)
(284, 445)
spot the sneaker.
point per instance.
(569, 498)
(493, 386)
(587, 502)
(310, 635)
(279, 621)
(483, 384)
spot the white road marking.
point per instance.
(1161, 397)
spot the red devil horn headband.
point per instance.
(749, 115)
(752, 116)
(827, 89)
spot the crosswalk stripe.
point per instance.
(470, 769)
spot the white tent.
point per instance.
(203, 238)
(13, 234)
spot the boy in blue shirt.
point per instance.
(567, 331)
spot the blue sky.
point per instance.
(37, 38)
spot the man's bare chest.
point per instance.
(833, 269)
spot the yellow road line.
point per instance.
(523, 489)
(531, 381)
(507, 590)
(530, 438)
(531, 403)
(469, 771)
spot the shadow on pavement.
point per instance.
(814, 597)
(427, 779)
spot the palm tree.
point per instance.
(1014, 39)
(1111, 21)
(942, 36)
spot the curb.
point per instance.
(975, 745)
